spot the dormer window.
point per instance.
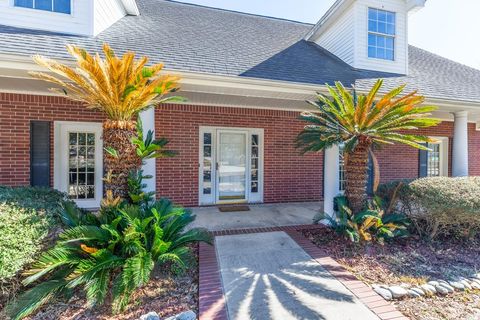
(60, 6)
(381, 34)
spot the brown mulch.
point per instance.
(167, 294)
(413, 261)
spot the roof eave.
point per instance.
(131, 7)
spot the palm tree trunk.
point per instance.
(356, 176)
(118, 135)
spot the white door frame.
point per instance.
(60, 160)
(212, 198)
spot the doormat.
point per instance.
(233, 208)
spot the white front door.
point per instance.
(231, 165)
(78, 163)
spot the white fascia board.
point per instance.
(328, 18)
(415, 5)
(243, 85)
(131, 7)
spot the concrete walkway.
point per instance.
(259, 216)
(269, 276)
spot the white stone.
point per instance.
(150, 316)
(386, 294)
(457, 285)
(475, 285)
(428, 289)
(466, 284)
(398, 292)
(441, 290)
(433, 283)
(419, 291)
(447, 286)
(187, 315)
(413, 293)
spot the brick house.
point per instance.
(246, 78)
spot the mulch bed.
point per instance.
(413, 261)
(166, 293)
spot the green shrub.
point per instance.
(376, 222)
(110, 253)
(26, 216)
(441, 205)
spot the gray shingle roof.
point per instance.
(195, 38)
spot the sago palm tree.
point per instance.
(363, 122)
(119, 87)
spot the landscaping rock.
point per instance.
(466, 284)
(150, 316)
(433, 283)
(447, 286)
(475, 285)
(475, 280)
(385, 293)
(441, 289)
(398, 292)
(457, 285)
(413, 293)
(187, 315)
(419, 291)
(428, 289)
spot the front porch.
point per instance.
(259, 216)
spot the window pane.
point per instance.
(391, 17)
(62, 6)
(372, 14)
(207, 138)
(382, 16)
(389, 55)
(372, 40)
(382, 27)
(390, 29)
(372, 25)
(389, 43)
(372, 52)
(24, 3)
(43, 5)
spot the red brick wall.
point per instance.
(401, 162)
(288, 176)
(16, 112)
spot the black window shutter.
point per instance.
(370, 177)
(422, 162)
(40, 153)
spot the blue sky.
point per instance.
(445, 27)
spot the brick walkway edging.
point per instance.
(212, 303)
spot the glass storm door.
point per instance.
(231, 165)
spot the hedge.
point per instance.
(439, 205)
(28, 216)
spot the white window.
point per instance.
(78, 165)
(381, 34)
(60, 6)
(437, 158)
(231, 165)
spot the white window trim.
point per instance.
(55, 13)
(212, 198)
(60, 158)
(394, 36)
(443, 142)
